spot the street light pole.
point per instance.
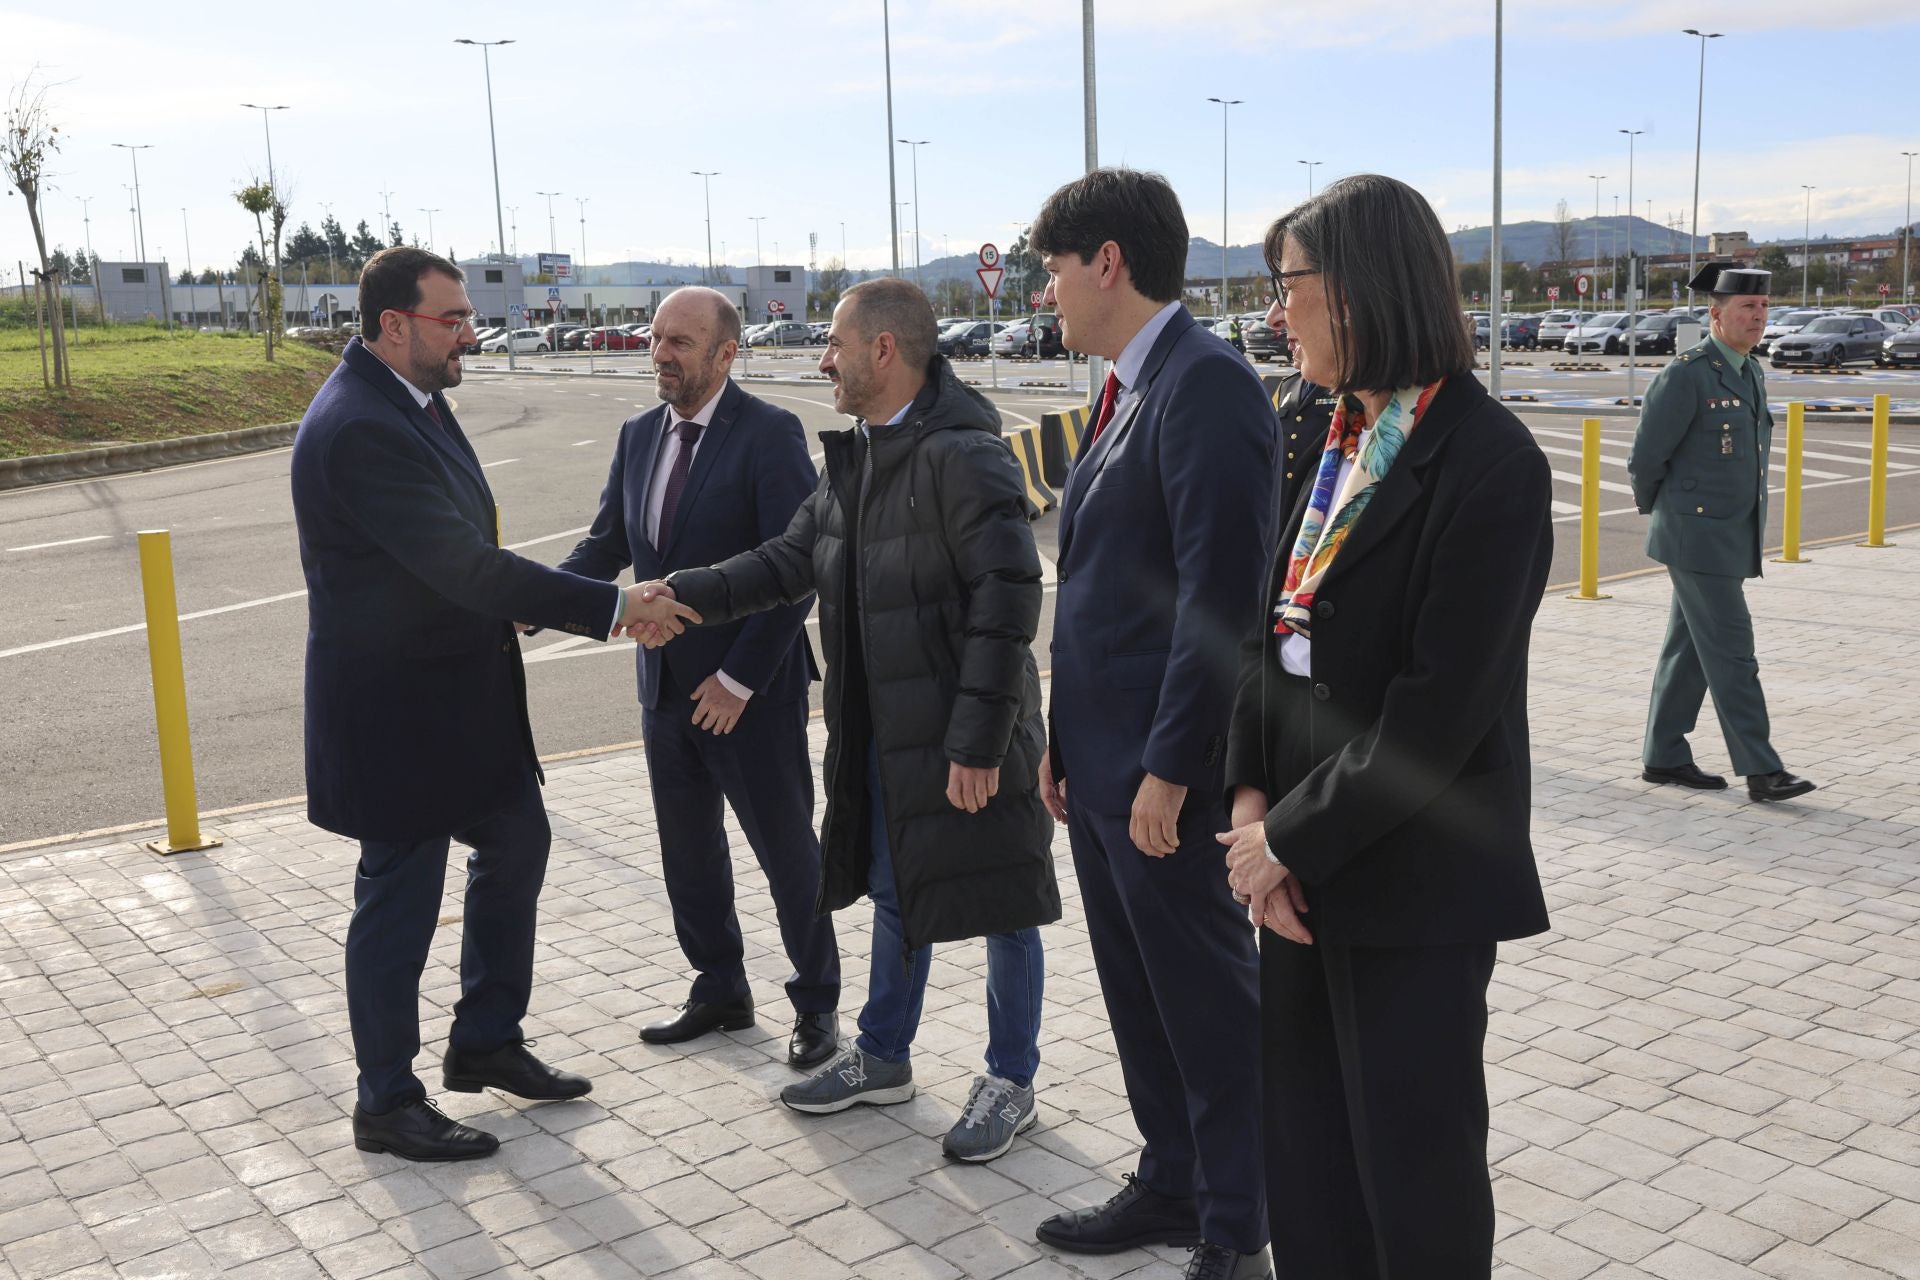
(756, 220)
(193, 303)
(916, 206)
(706, 177)
(1806, 245)
(1311, 166)
(1579, 302)
(486, 48)
(264, 118)
(1494, 253)
(328, 206)
(580, 204)
(553, 241)
(133, 151)
(1906, 231)
(893, 193)
(430, 213)
(1699, 114)
(1633, 310)
(1226, 107)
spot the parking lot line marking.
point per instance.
(1611, 486)
(1565, 508)
(551, 537)
(503, 462)
(64, 542)
(141, 626)
(577, 443)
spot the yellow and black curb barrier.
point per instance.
(1025, 442)
(1790, 508)
(1589, 512)
(1061, 436)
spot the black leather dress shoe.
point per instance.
(1216, 1262)
(697, 1019)
(511, 1069)
(1687, 775)
(1779, 785)
(815, 1037)
(1134, 1217)
(419, 1130)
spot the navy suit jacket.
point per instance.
(416, 706)
(750, 474)
(1162, 543)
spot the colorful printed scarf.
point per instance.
(1321, 538)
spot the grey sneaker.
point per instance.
(996, 1110)
(850, 1079)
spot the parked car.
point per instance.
(1779, 326)
(1263, 343)
(1605, 333)
(1832, 341)
(1892, 317)
(782, 333)
(480, 336)
(1658, 335)
(612, 338)
(967, 338)
(1038, 334)
(1520, 333)
(555, 334)
(522, 342)
(1556, 325)
(1902, 346)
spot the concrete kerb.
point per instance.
(83, 464)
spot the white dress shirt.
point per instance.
(1127, 365)
(1296, 650)
(667, 452)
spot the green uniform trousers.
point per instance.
(1709, 647)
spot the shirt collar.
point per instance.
(702, 419)
(420, 397)
(1133, 357)
(895, 420)
(1739, 361)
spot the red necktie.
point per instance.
(433, 411)
(1109, 398)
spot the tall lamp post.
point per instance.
(706, 177)
(916, 205)
(580, 206)
(1806, 244)
(1595, 282)
(193, 301)
(1633, 298)
(429, 213)
(1311, 166)
(264, 124)
(756, 219)
(1906, 231)
(1496, 257)
(486, 48)
(328, 206)
(1699, 112)
(893, 193)
(133, 150)
(553, 241)
(1226, 109)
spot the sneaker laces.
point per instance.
(986, 1095)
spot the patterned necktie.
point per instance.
(1109, 399)
(689, 433)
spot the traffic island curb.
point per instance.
(119, 459)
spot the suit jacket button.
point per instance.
(1699, 511)
(1323, 609)
(1321, 693)
(1062, 575)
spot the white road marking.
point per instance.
(503, 462)
(141, 626)
(1565, 508)
(64, 542)
(577, 443)
(551, 537)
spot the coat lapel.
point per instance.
(1088, 466)
(450, 440)
(1401, 487)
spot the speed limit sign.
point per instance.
(989, 255)
(1581, 284)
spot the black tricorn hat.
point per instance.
(1724, 279)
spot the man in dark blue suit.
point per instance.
(1162, 544)
(416, 709)
(707, 475)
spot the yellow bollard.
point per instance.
(1877, 478)
(1790, 514)
(170, 698)
(1589, 512)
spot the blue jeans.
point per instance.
(897, 981)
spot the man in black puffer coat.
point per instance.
(917, 543)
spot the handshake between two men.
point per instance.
(652, 616)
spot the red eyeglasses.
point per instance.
(470, 320)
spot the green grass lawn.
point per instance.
(133, 383)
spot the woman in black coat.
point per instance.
(1379, 761)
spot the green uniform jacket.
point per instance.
(1699, 463)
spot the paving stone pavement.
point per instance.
(1711, 1066)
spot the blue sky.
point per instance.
(619, 102)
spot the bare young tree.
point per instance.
(269, 210)
(1563, 236)
(30, 140)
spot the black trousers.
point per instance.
(1376, 1110)
(762, 770)
(1180, 981)
(397, 897)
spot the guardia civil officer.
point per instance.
(1306, 411)
(1699, 471)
